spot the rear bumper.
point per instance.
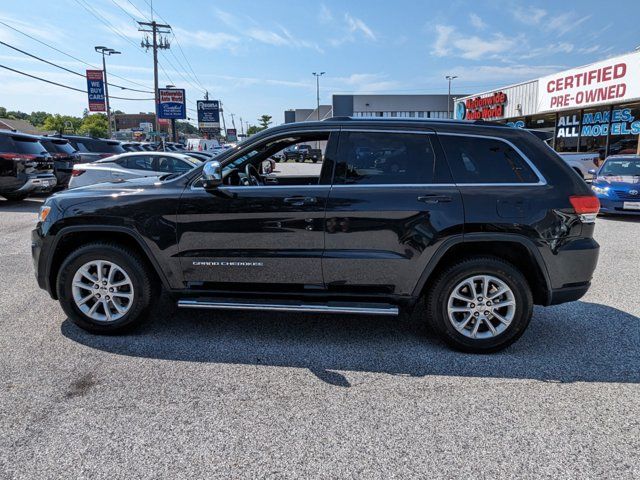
(38, 183)
(571, 268)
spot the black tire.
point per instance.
(130, 262)
(443, 286)
(15, 197)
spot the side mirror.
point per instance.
(268, 166)
(592, 171)
(211, 175)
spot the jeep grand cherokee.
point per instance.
(481, 220)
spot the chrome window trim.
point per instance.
(541, 180)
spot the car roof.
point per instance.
(16, 133)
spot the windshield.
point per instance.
(621, 167)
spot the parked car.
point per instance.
(202, 156)
(131, 165)
(481, 221)
(581, 162)
(132, 147)
(299, 153)
(64, 158)
(91, 149)
(25, 166)
(617, 185)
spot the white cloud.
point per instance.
(551, 49)
(530, 15)
(246, 26)
(442, 43)
(448, 41)
(363, 82)
(477, 22)
(564, 23)
(325, 15)
(207, 40)
(357, 25)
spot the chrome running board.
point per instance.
(344, 308)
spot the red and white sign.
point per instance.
(609, 81)
(487, 107)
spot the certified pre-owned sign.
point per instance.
(599, 83)
(171, 103)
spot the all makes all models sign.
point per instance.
(95, 90)
(171, 103)
(609, 81)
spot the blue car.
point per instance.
(617, 185)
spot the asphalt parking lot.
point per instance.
(236, 395)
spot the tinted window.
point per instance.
(63, 147)
(139, 163)
(384, 158)
(171, 165)
(95, 145)
(485, 160)
(48, 145)
(24, 145)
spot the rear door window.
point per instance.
(140, 162)
(485, 160)
(384, 158)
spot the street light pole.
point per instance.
(449, 78)
(106, 51)
(318, 75)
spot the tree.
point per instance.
(265, 121)
(37, 118)
(95, 125)
(185, 128)
(54, 123)
(3, 112)
(253, 129)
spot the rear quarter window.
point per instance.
(485, 160)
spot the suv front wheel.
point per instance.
(480, 305)
(104, 288)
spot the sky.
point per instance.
(258, 57)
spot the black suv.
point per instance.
(64, 158)
(91, 149)
(25, 166)
(482, 221)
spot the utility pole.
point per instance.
(157, 30)
(224, 127)
(241, 126)
(173, 121)
(318, 75)
(449, 78)
(106, 51)
(233, 121)
(247, 122)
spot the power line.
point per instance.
(64, 86)
(179, 72)
(67, 54)
(67, 69)
(106, 22)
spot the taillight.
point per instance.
(587, 206)
(18, 156)
(77, 173)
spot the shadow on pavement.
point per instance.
(22, 206)
(567, 343)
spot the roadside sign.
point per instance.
(95, 91)
(208, 115)
(232, 135)
(171, 103)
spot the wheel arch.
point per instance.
(70, 238)
(516, 249)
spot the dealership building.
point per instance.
(594, 108)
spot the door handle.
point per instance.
(298, 201)
(434, 198)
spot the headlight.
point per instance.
(44, 213)
(600, 190)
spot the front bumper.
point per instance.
(609, 205)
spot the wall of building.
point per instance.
(411, 106)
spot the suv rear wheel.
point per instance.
(480, 305)
(104, 288)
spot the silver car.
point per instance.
(131, 165)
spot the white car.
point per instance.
(131, 165)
